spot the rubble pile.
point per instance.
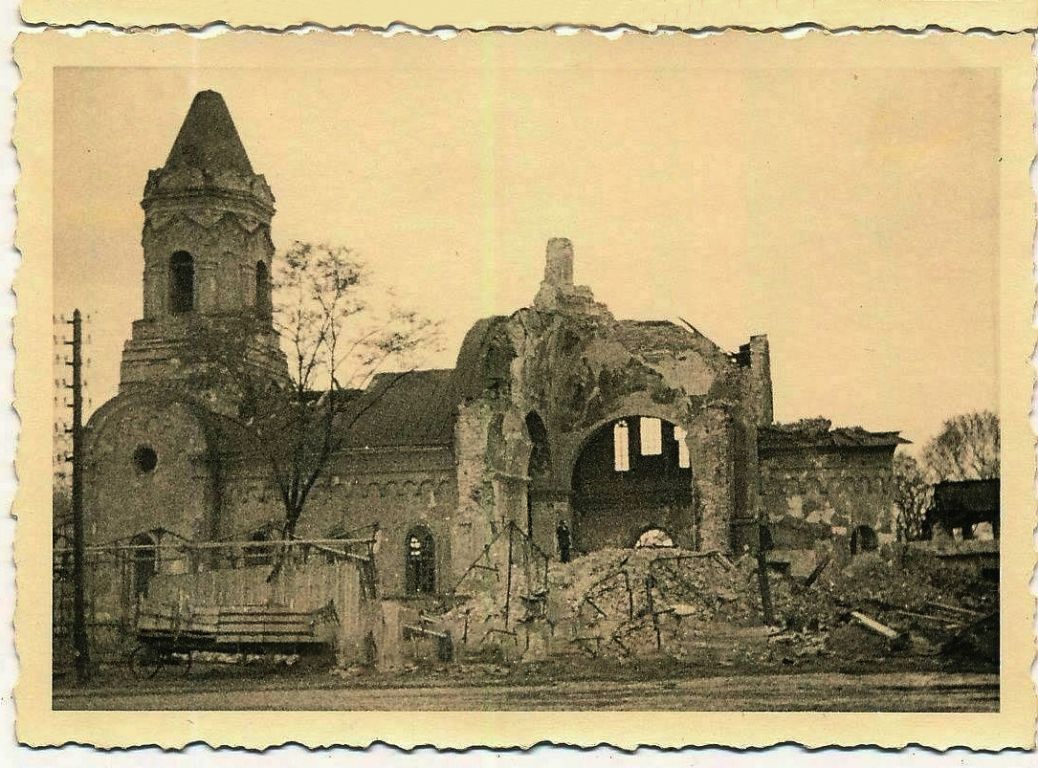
(646, 601)
(703, 608)
(924, 603)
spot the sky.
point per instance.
(850, 213)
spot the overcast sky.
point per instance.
(850, 214)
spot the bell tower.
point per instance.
(207, 259)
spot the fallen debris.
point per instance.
(875, 626)
(703, 607)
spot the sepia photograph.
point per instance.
(535, 372)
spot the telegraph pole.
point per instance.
(80, 642)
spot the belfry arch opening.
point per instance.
(181, 283)
(633, 475)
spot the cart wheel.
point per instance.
(145, 662)
(183, 663)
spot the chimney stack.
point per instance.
(558, 267)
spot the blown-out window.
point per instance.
(621, 447)
(650, 435)
(684, 459)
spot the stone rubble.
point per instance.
(700, 607)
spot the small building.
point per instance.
(962, 506)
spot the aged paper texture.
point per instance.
(421, 387)
(958, 15)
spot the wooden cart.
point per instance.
(169, 637)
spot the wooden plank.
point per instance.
(875, 626)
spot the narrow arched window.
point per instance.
(262, 289)
(181, 283)
(420, 565)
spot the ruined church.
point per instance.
(583, 430)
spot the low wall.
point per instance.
(307, 586)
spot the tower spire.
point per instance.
(208, 255)
(208, 139)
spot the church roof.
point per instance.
(412, 408)
(419, 408)
(208, 139)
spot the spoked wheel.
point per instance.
(181, 660)
(145, 662)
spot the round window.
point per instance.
(145, 458)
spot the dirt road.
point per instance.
(823, 691)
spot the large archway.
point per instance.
(633, 474)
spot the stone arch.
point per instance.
(569, 450)
(627, 479)
(652, 538)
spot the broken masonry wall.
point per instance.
(613, 509)
(578, 372)
(813, 495)
(476, 519)
(713, 468)
(757, 355)
(570, 363)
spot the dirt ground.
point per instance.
(812, 691)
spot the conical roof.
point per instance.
(208, 139)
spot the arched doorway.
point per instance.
(863, 539)
(633, 474)
(420, 562)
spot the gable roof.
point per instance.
(419, 408)
(208, 139)
(402, 409)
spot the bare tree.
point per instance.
(335, 341)
(912, 496)
(967, 448)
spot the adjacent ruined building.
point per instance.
(583, 430)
